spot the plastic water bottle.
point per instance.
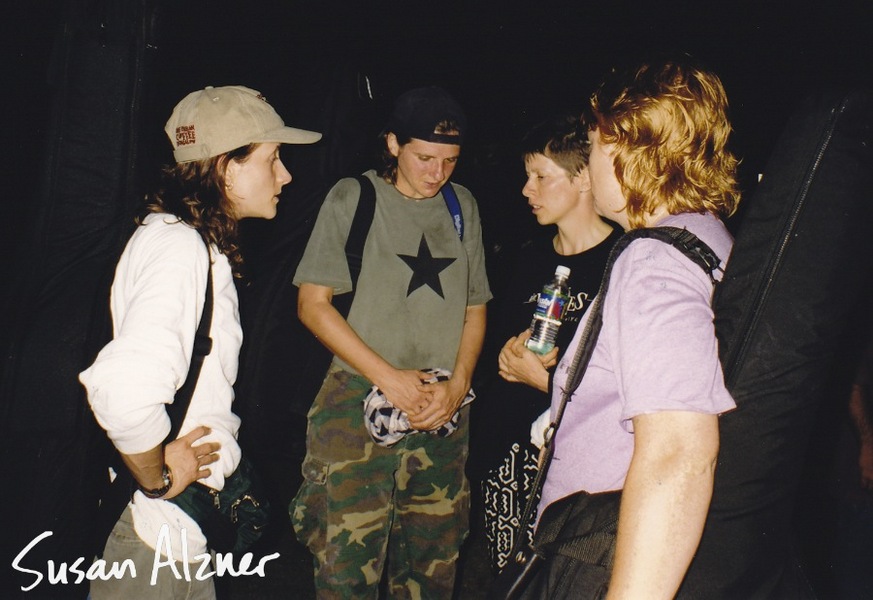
(550, 309)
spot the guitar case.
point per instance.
(793, 291)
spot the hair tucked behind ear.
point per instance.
(194, 193)
(669, 124)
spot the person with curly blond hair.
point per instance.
(644, 418)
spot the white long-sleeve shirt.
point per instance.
(157, 297)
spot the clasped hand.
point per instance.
(518, 364)
(427, 405)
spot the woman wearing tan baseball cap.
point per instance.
(226, 143)
(234, 132)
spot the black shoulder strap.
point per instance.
(683, 240)
(360, 228)
(202, 347)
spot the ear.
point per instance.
(231, 168)
(393, 144)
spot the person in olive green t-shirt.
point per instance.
(419, 303)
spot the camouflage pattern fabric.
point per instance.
(387, 424)
(363, 507)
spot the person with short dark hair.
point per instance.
(226, 145)
(558, 191)
(644, 418)
(389, 500)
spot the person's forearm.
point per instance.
(664, 506)
(864, 427)
(518, 364)
(187, 458)
(146, 467)
(860, 418)
(470, 347)
(445, 397)
(659, 530)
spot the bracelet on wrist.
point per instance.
(160, 492)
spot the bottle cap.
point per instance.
(562, 271)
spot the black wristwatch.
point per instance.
(160, 492)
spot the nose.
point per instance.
(283, 175)
(527, 190)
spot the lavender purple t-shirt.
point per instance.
(657, 351)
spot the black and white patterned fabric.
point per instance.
(505, 491)
(388, 424)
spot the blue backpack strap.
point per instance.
(454, 207)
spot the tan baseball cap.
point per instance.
(216, 120)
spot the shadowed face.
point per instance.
(422, 167)
(609, 200)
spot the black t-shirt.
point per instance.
(503, 411)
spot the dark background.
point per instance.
(509, 64)
(335, 66)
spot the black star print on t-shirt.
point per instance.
(425, 269)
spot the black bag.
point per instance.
(517, 577)
(572, 553)
(232, 519)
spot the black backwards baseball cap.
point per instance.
(418, 112)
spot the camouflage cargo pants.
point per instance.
(363, 506)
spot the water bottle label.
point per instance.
(550, 307)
